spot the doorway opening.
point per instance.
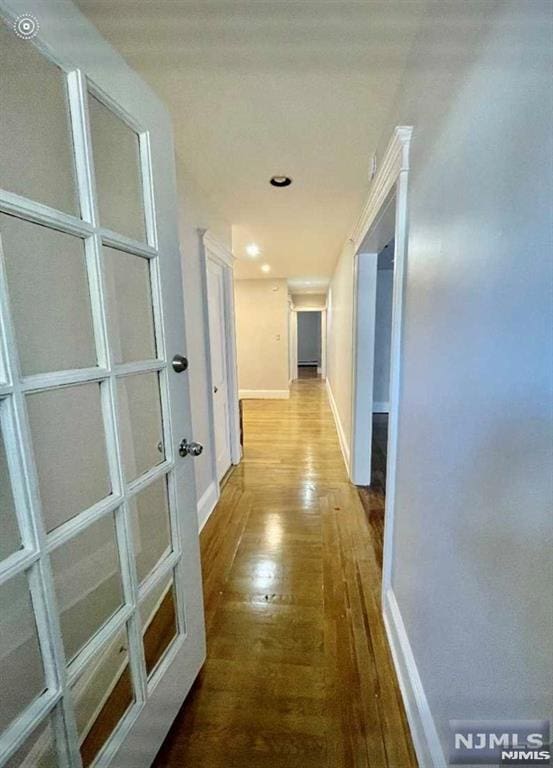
(373, 496)
(380, 244)
(309, 345)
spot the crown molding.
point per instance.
(395, 160)
(216, 248)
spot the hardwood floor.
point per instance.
(307, 372)
(373, 496)
(298, 672)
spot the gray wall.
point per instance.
(309, 337)
(382, 337)
(472, 565)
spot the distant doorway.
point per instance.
(309, 343)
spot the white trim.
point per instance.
(381, 407)
(217, 249)
(308, 309)
(362, 362)
(264, 394)
(212, 249)
(207, 503)
(292, 343)
(400, 256)
(339, 428)
(396, 159)
(391, 178)
(423, 728)
(324, 342)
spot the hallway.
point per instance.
(298, 671)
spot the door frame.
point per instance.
(391, 182)
(292, 343)
(293, 336)
(323, 343)
(214, 250)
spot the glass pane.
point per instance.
(88, 583)
(10, 538)
(140, 423)
(117, 166)
(70, 450)
(49, 297)
(129, 299)
(159, 622)
(151, 529)
(102, 695)
(36, 154)
(38, 751)
(21, 670)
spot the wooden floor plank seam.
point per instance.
(298, 671)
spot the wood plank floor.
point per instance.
(298, 671)
(373, 496)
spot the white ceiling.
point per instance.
(266, 87)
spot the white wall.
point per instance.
(339, 341)
(197, 211)
(382, 338)
(309, 337)
(472, 566)
(302, 301)
(262, 330)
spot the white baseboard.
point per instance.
(423, 729)
(207, 503)
(264, 394)
(381, 407)
(339, 428)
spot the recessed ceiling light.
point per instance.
(253, 250)
(265, 268)
(280, 181)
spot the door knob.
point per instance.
(179, 363)
(190, 449)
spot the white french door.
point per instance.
(101, 618)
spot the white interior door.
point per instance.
(217, 339)
(101, 620)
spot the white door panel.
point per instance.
(100, 557)
(216, 301)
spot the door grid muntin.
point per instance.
(33, 557)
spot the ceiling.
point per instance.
(267, 87)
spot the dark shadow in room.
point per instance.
(373, 496)
(308, 372)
